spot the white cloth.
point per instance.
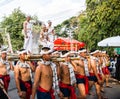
(99, 68)
(46, 63)
(50, 34)
(55, 79)
(86, 67)
(72, 74)
(25, 65)
(6, 63)
(71, 71)
(28, 41)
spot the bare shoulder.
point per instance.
(62, 64)
(92, 60)
(0, 64)
(16, 68)
(39, 68)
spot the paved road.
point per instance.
(111, 93)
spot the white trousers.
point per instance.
(28, 42)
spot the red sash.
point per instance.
(91, 74)
(71, 88)
(86, 81)
(105, 70)
(43, 90)
(6, 80)
(100, 76)
(28, 87)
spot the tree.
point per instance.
(14, 24)
(102, 20)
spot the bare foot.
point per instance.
(109, 86)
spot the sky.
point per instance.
(55, 10)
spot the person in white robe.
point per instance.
(27, 31)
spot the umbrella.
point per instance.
(110, 42)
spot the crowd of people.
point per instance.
(53, 77)
(60, 77)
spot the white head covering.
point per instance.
(65, 55)
(3, 51)
(56, 52)
(68, 53)
(22, 51)
(45, 50)
(49, 21)
(83, 50)
(104, 52)
(96, 51)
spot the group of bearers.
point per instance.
(57, 78)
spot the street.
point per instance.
(111, 93)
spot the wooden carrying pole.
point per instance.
(37, 58)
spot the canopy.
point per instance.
(110, 42)
(67, 44)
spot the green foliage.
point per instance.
(14, 24)
(67, 24)
(1, 40)
(102, 20)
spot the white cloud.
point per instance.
(56, 10)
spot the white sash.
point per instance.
(55, 79)
(25, 65)
(71, 71)
(86, 67)
(6, 63)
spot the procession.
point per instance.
(59, 49)
(53, 74)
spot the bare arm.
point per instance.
(16, 74)
(31, 66)
(93, 65)
(36, 81)
(74, 64)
